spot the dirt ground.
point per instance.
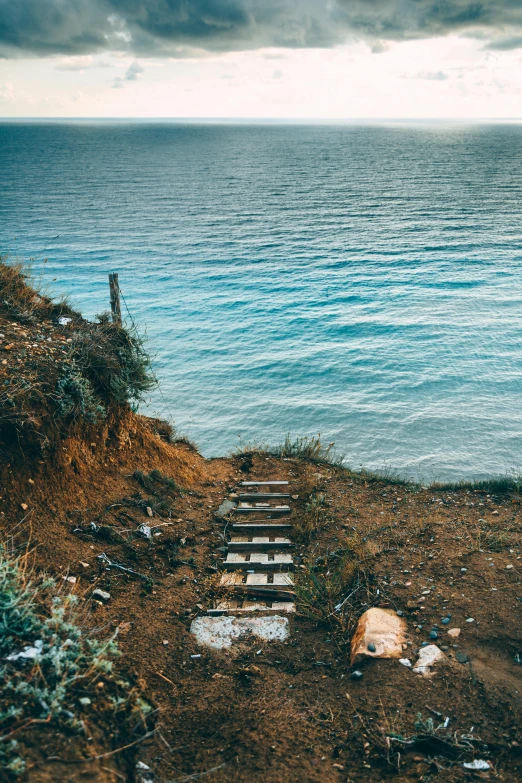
(277, 712)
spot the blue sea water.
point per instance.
(359, 281)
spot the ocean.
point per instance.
(360, 281)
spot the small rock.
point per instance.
(356, 675)
(463, 570)
(24, 506)
(338, 766)
(85, 701)
(470, 620)
(509, 566)
(461, 657)
(454, 632)
(165, 641)
(102, 594)
(428, 658)
(405, 662)
(372, 647)
(149, 511)
(446, 620)
(434, 635)
(30, 481)
(400, 613)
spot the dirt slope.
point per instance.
(297, 714)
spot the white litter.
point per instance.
(141, 765)
(477, 764)
(28, 652)
(63, 320)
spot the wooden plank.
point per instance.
(276, 510)
(257, 579)
(282, 558)
(243, 496)
(269, 592)
(283, 579)
(263, 483)
(231, 579)
(265, 565)
(236, 607)
(256, 546)
(249, 527)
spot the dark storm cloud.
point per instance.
(159, 26)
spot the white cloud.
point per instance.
(75, 63)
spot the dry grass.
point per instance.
(333, 583)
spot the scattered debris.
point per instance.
(28, 652)
(477, 764)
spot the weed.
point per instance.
(151, 481)
(327, 588)
(309, 523)
(310, 449)
(497, 485)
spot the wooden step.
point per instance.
(263, 483)
(258, 543)
(244, 607)
(260, 579)
(257, 560)
(243, 496)
(265, 527)
(276, 510)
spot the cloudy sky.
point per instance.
(261, 58)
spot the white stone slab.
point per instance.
(222, 632)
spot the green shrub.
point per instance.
(75, 396)
(114, 361)
(44, 657)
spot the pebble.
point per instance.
(85, 701)
(400, 613)
(446, 620)
(405, 662)
(470, 620)
(372, 647)
(461, 657)
(356, 675)
(434, 635)
(454, 632)
(463, 570)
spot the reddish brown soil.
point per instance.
(297, 715)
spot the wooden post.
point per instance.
(115, 298)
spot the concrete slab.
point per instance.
(222, 632)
